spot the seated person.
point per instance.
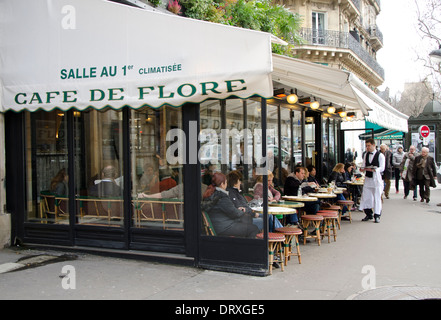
(348, 171)
(149, 178)
(234, 181)
(107, 186)
(59, 183)
(293, 184)
(309, 186)
(338, 176)
(273, 194)
(166, 181)
(227, 220)
(312, 175)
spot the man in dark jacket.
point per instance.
(107, 187)
(424, 172)
(292, 184)
(387, 173)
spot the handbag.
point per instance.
(404, 173)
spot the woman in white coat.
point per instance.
(373, 166)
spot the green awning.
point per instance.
(383, 134)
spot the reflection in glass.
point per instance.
(46, 167)
(230, 152)
(99, 167)
(156, 142)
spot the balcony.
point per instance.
(339, 40)
(376, 37)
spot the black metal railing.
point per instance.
(343, 40)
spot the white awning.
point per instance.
(339, 87)
(380, 112)
(93, 53)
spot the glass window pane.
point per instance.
(157, 157)
(229, 151)
(99, 167)
(297, 132)
(46, 167)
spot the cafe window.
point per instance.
(157, 158)
(46, 167)
(99, 174)
(231, 158)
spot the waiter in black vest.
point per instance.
(373, 165)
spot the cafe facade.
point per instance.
(156, 113)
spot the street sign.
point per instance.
(424, 131)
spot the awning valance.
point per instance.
(81, 53)
(337, 86)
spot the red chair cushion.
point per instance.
(312, 217)
(289, 230)
(328, 214)
(273, 236)
(345, 201)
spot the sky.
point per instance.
(398, 23)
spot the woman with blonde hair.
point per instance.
(337, 175)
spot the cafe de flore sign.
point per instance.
(93, 53)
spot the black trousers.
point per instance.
(241, 229)
(397, 178)
(424, 188)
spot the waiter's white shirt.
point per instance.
(373, 187)
(376, 181)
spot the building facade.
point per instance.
(341, 34)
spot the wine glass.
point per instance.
(260, 202)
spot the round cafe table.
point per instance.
(286, 204)
(301, 199)
(275, 211)
(323, 195)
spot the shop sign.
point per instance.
(68, 54)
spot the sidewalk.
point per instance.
(400, 256)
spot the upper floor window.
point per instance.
(318, 28)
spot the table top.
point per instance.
(286, 204)
(301, 199)
(276, 210)
(355, 183)
(323, 195)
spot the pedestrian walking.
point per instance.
(387, 173)
(396, 161)
(424, 171)
(373, 165)
(406, 169)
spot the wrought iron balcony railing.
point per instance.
(343, 40)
